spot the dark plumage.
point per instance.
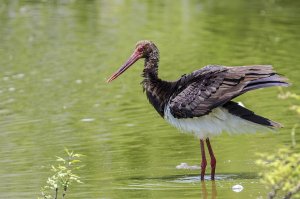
(246, 114)
(200, 102)
(213, 86)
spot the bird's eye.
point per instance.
(140, 49)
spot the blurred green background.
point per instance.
(56, 55)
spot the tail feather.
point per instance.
(237, 110)
(256, 77)
(272, 80)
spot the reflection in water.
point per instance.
(205, 194)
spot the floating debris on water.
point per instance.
(184, 165)
(237, 188)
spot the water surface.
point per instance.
(56, 55)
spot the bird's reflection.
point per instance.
(205, 194)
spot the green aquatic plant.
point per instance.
(290, 95)
(281, 171)
(63, 176)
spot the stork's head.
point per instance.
(142, 50)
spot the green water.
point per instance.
(56, 55)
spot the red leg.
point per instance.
(213, 160)
(203, 162)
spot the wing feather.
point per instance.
(212, 86)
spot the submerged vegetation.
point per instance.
(63, 176)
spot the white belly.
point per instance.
(213, 124)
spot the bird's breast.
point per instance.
(156, 102)
(158, 93)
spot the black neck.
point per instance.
(157, 90)
(150, 71)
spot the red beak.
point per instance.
(132, 59)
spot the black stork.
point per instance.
(200, 102)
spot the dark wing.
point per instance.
(212, 86)
(237, 110)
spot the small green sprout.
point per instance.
(63, 176)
